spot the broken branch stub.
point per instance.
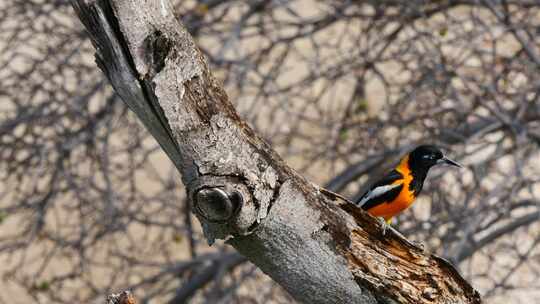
(224, 206)
(124, 297)
(216, 205)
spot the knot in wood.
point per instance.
(215, 204)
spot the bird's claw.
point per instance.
(419, 245)
(384, 225)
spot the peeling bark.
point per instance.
(319, 247)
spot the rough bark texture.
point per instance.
(316, 245)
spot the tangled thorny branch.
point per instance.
(340, 89)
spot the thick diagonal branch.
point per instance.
(321, 249)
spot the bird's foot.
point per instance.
(419, 245)
(384, 225)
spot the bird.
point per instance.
(398, 189)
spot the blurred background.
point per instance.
(90, 205)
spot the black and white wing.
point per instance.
(382, 191)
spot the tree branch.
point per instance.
(319, 248)
(124, 297)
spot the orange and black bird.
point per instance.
(398, 189)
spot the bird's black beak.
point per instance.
(448, 161)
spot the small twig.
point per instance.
(121, 298)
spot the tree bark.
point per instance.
(317, 245)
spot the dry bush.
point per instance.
(90, 205)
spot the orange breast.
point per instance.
(404, 200)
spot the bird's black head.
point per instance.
(421, 160)
(427, 156)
